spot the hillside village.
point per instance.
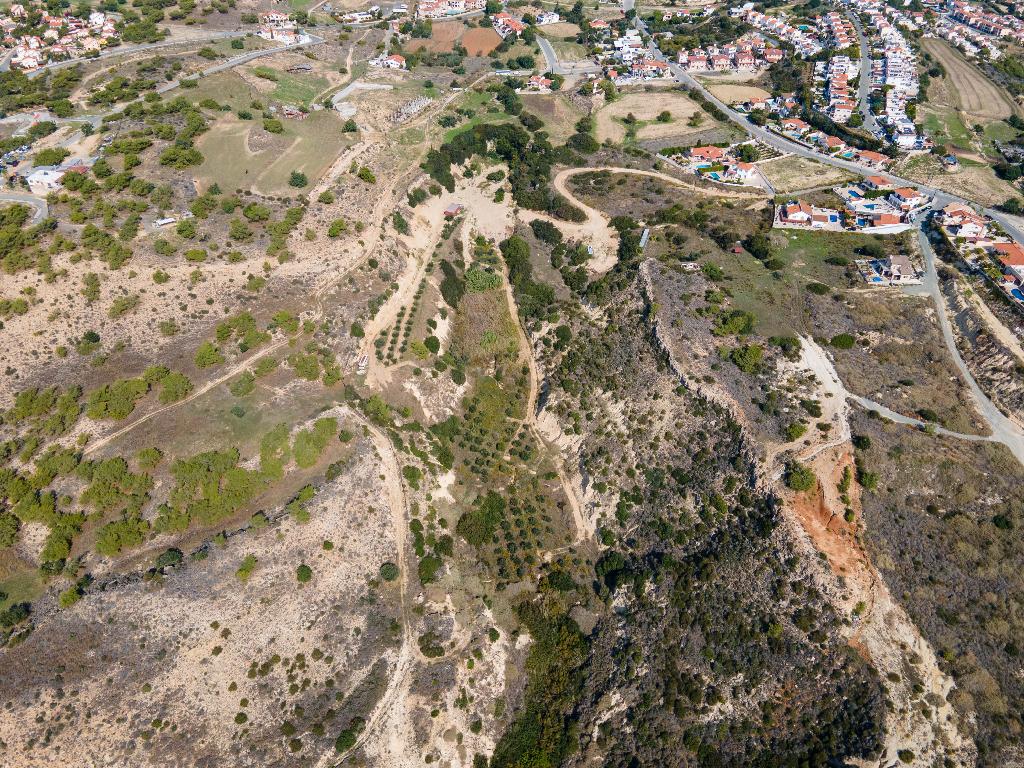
(37, 38)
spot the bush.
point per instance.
(819, 289)
(800, 478)
(169, 557)
(50, 156)
(297, 179)
(246, 568)
(389, 571)
(208, 355)
(747, 358)
(273, 125)
(303, 573)
(843, 341)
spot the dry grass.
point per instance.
(788, 174)
(559, 30)
(733, 94)
(645, 107)
(974, 180)
(972, 91)
(559, 114)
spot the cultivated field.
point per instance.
(974, 93)
(732, 93)
(480, 41)
(445, 35)
(646, 107)
(788, 174)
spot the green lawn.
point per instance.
(21, 586)
(946, 127)
(298, 89)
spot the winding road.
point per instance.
(1003, 429)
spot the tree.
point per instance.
(303, 573)
(800, 478)
(297, 179)
(389, 571)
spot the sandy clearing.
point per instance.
(790, 173)
(559, 30)
(732, 93)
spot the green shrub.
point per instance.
(389, 571)
(303, 573)
(800, 478)
(843, 341)
(208, 355)
(246, 568)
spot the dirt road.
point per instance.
(595, 231)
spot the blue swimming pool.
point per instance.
(1017, 294)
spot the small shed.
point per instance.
(453, 210)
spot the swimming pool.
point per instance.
(1017, 294)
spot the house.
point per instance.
(697, 63)
(876, 183)
(720, 62)
(394, 61)
(741, 171)
(907, 199)
(45, 178)
(884, 220)
(1011, 256)
(873, 159)
(505, 24)
(961, 221)
(273, 19)
(832, 143)
(708, 154)
(900, 270)
(549, 17)
(795, 125)
(599, 24)
(797, 213)
(772, 55)
(538, 84)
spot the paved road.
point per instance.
(563, 68)
(24, 198)
(941, 197)
(864, 83)
(234, 62)
(1003, 429)
(122, 50)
